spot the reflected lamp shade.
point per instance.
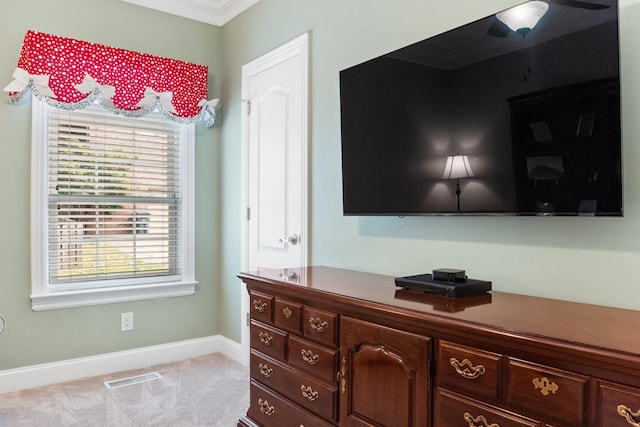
(524, 17)
(457, 167)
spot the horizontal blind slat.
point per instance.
(114, 196)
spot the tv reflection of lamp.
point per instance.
(524, 17)
(457, 167)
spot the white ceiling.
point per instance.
(214, 12)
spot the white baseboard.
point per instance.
(67, 370)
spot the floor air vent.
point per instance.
(123, 382)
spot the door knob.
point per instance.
(292, 240)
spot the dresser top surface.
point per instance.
(596, 326)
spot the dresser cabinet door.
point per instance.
(384, 376)
(618, 405)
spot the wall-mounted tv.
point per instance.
(485, 120)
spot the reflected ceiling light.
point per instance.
(457, 167)
(524, 17)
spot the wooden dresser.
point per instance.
(333, 347)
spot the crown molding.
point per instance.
(213, 12)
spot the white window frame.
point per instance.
(43, 297)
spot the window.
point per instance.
(112, 207)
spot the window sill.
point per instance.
(70, 299)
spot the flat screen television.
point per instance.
(485, 120)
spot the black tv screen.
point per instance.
(485, 120)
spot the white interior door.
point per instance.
(274, 162)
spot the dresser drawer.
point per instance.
(618, 405)
(287, 315)
(261, 305)
(452, 410)
(555, 394)
(268, 340)
(320, 326)
(317, 360)
(269, 409)
(469, 369)
(313, 395)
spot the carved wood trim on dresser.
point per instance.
(333, 347)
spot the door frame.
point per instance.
(296, 47)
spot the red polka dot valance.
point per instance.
(72, 74)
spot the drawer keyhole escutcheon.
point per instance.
(265, 338)
(287, 312)
(318, 324)
(479, 421)
(466, 368)
(259, 305)
(265, 370)
(309, 357)
(545, 386)
(308, 392)
(633, 418)
(265, 408)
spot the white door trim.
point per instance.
(296, 47)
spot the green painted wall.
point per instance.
(584, 259)
(33, 338)
(593, 260)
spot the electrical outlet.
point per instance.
(126, 322)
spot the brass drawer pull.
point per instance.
(265, 408)
(318, 324)
(466, 368)
(308, 392)
(309, 357)
(342, 375)
(628, 415)
(545, 386)
(478, 421)
(259, 305)
(265, 338)
(287, 312)
(265, 370)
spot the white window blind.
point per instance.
(114, 195)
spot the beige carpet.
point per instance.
(211, 390)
